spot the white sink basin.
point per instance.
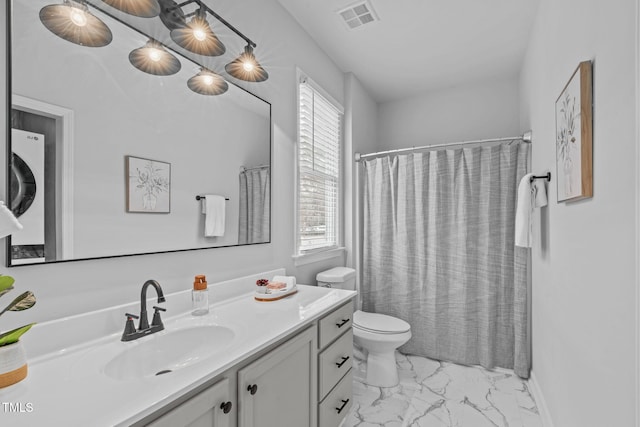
(168, 351)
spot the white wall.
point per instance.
(474, 111)
(584, 260)
(361, 113)
(67, 288)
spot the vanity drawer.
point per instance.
(334, 362)
(335, 323)
(337, 404)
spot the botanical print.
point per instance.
(149, 185)
(568, 142)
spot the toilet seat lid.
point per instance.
(379, 323)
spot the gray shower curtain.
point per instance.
(255, 204)
(439, 252)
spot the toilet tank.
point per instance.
(338, 277)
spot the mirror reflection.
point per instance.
(109, 160)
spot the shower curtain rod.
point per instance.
(526, 137)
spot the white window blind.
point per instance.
(318, 170)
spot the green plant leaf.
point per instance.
(24, 301)
(14, 335)
(6, 284)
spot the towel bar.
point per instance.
(202, 197)
(547, 177)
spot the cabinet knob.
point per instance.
(344, 359)
(252, 389)
(226, 407)
(341, 324)
(344, 403)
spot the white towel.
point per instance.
(8, 222)
(214, 208)
(530, 195)
(290, 281)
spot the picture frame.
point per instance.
(148, 185)
(574, 136)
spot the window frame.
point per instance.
(303, 257)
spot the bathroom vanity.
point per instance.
(246, 363)
(275, 389)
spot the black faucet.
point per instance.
(130, 333)
(144, 323)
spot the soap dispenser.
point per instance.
(200, 296)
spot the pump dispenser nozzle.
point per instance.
(200, 282)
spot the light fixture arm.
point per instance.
(227, 24)
(200, 13)
(215, 15)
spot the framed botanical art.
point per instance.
(148, 185)
(574, 134)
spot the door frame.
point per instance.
(64, 119)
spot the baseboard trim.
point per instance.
(541, 404)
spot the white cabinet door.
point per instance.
(212, 407)
(279, 389)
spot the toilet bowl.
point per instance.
(378, 335)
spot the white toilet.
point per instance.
(379, 335)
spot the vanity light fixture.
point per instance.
(206, 82)
(154, 59)
(141, 8)
(198, 37)
(246, 67)
(73, 22)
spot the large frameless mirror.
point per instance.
(116, 153)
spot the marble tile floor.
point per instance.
(442, 394)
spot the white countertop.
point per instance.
(68, 387)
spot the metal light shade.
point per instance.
(207, 82)
(246, 67)
(141, 8)
(197, 37)
(73, 22)
(154, 59)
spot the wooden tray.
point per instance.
(273, 297)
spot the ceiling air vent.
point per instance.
(358, 14)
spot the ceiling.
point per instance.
(421, 45)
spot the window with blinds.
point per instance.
(318, 170)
